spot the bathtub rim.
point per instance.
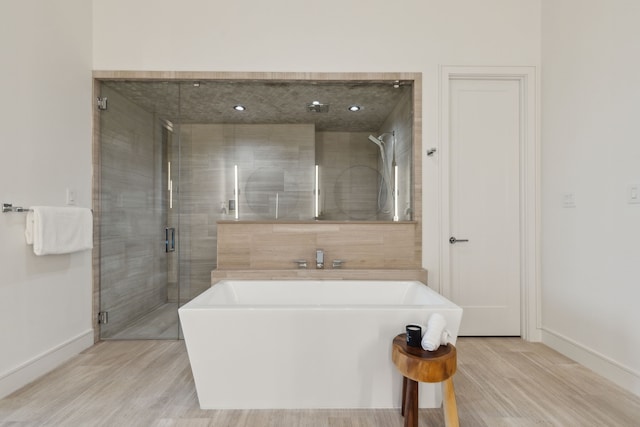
(197, 304)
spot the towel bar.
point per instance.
(8, 207)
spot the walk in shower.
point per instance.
(176, 157)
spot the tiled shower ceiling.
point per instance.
(267, 102)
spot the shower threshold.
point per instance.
(160, 324)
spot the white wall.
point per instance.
(331, 36)
(591, 148)
(45, 142)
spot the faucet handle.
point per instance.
(302, 263)
(337, 263)
(319, 259)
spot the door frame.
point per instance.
(530, 317)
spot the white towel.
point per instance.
(28, 231)
(435, 334)
(59, 230)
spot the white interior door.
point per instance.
(484, 204)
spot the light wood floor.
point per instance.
(500, 382)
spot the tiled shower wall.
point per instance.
(401, 121)
(133, 263)
(348, 175)
(345, 158)
(275, 164)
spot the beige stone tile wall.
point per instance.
(362, 245)
(418, 274)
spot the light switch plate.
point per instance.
(71, 196)
(633, 194)
(568, 200)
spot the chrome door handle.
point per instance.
(453, 240)
(169, 239)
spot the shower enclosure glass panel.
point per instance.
(138, 230)
(177, 157)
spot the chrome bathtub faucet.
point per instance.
(319, 259)
(337, 263)
(302, 263)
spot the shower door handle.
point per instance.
(453, 240)
(169, 239)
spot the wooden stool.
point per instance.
(418, 365)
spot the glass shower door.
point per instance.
(205, 187)
(139, 163)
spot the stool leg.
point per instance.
(404, 395)
(411, 412)
(449, 404)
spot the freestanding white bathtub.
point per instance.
(306, 343)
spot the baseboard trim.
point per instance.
(43, 363)
(614, 371)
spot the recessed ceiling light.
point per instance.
(315, 103)
(355, 108)
(239, 107)
(196, 84)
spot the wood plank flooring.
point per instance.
(500, 382)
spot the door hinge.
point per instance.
(102, 103)
(103, 317)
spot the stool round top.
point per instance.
(422, 365)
